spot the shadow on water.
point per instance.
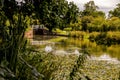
(41, 37)
(69, 45)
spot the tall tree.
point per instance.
(115, 12)
(89, 13)
(56, 13)
(52, 12)
(73, 13)
(90, 8)
(85, 21)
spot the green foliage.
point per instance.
(78, 34)
(57, 13)
(72, 13)
(60, 32)
(91, 10)
(76, 25)
(53, 13)
(14, 21)
(106, 38)
(115, 12)
(12, 43)
(100, 24)
(93, 35)
(13, 46)
(67, 29)
(114, 24)
(92, 19)
(84, 22)
(90, 7)
(97, 24)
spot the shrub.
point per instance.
(78, 34)
(106, 38)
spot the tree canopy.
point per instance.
(115, 12)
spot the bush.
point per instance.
(78, 34)
(106, 38)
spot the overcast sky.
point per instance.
(104, 5)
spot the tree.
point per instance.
(85, 21)
(97, 24)
(56, 13)
(72, 14)
(114, 23)
(88, 14)
(115, 12)
(90, 8)
(53, 13)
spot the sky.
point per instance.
(104, 5)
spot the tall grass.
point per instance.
(12, 50)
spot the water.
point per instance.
(64, 45)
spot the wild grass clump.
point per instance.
(12, 50)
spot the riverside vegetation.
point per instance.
(21, 61)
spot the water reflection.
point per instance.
(105, 57)
(48, 49)
(73, 45)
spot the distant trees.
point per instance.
(89, 14)
(114, 24)
(115, 12)
(61, 14)
(90, 9)
(94, 20)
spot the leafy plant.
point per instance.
(76, 70)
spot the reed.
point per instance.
(13, 48)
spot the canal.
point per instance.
(65, 45)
